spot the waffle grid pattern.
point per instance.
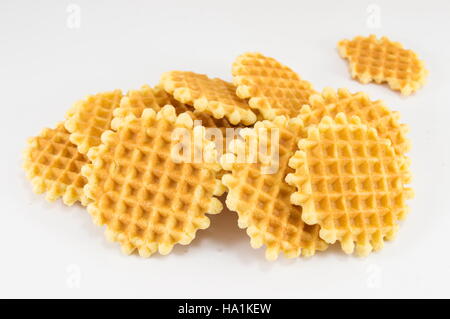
(373, 113)
(53, 165)
(213, 96)
(271, 87)
(89, 118)
(136, 101)
(148, 201)
(382, 60)
(349, 181)
(262, 200)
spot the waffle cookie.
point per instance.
(89, 118)
(271, 87)
(136, 101)
(381, 60)
(148, 198)
(261, 197)
(213, 96)
(350, 182)
(373, 113)
(53, 165)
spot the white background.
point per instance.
(47, 63)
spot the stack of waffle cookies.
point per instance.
(333, 167)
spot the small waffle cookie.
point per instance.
(89, 118)
(136, 101)
(53, 165)
(381, 60)
(373, 113)
(350, 182)
(259, 195)
(271, 87)
(213, 96)
(148, 197)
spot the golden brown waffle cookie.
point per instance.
(350, 182)
(89, 118)
(209, 121)
(262, 198)
(145, 196)
(136, 101)
(212, 96)
(382, 60)
(373, 113)
(271, 87)
(53, 165)
(206, 119)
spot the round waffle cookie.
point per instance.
(53, 165)
(213, 96)
(136, 101)
(89, 118)
(373, 113)
(146, 196)
(350, 182)
(382, 60)
(271, 87)
(259, 195)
